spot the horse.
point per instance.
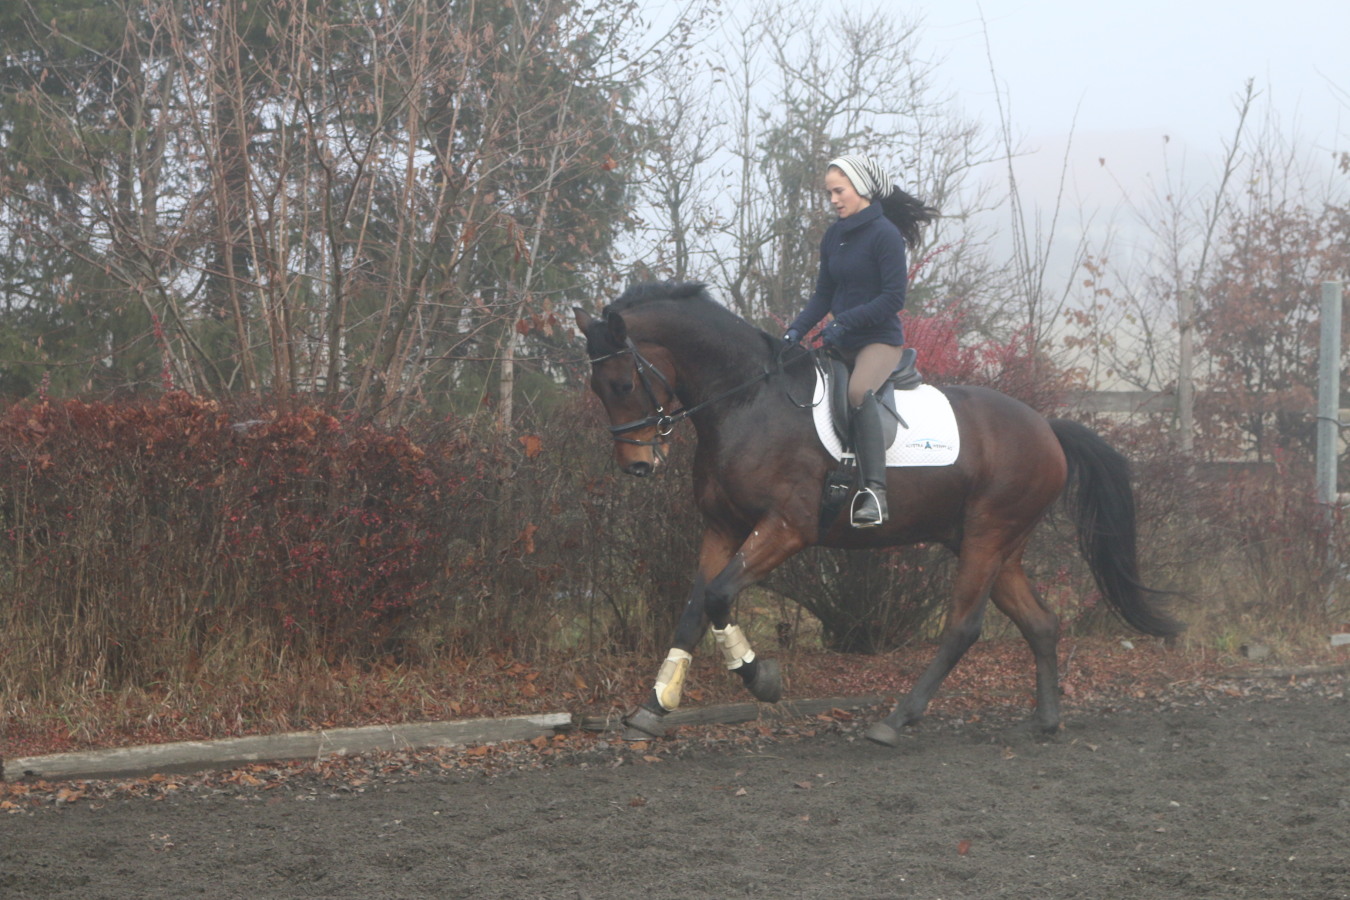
(664, 352)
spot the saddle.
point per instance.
(906, 377)
(843, 480)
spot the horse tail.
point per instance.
(1102, 502)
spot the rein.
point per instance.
(665, 422)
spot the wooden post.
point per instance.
(1185, 372)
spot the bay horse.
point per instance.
(663, 352)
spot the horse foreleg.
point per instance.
(645, 721)
(736, 568)
(769, 544)
(965, 618)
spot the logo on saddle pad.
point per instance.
(929, 444)
(926, 435)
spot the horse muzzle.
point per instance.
(640, 458)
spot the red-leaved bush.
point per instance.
(147, 531)
(149, 540)
(1010, 365)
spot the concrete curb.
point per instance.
(192, 756)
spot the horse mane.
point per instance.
(695, 303)
(652, 291)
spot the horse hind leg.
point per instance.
(965, 619)
(1018, 600)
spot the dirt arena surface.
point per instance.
(1237, 791)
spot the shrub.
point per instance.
(184, 538)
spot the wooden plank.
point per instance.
(1294, 671)
(1155, 402)
(186, 756)
(1122, 401)
(732, 713)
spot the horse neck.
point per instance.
(709, 358)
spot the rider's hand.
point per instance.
(791, 338)
(833, 333)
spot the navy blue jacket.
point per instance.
(862, 280)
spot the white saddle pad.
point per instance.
(931, 439)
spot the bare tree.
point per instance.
(778, 98)
(367, 204)
(1248, 248)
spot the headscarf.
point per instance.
(869, 179)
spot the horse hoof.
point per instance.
(884, 734)
(643, 725)
(768, 684)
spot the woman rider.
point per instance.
(862, 282)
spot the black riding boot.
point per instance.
(869, 506)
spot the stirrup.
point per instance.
(860, 515)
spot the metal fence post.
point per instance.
(1328, 432)
(1329, 393)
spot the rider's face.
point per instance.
(845, 200)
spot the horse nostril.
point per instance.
(640, 469)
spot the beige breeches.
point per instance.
(873, 364)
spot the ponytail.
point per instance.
(908, 213)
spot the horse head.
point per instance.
(635, 385)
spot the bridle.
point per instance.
(665, 422)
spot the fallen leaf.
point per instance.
(638, 801)
(740, 792)
(804, 785)
(526, 538)
(963, 847)
(532, 444)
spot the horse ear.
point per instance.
(584, 319)
(618, 328)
